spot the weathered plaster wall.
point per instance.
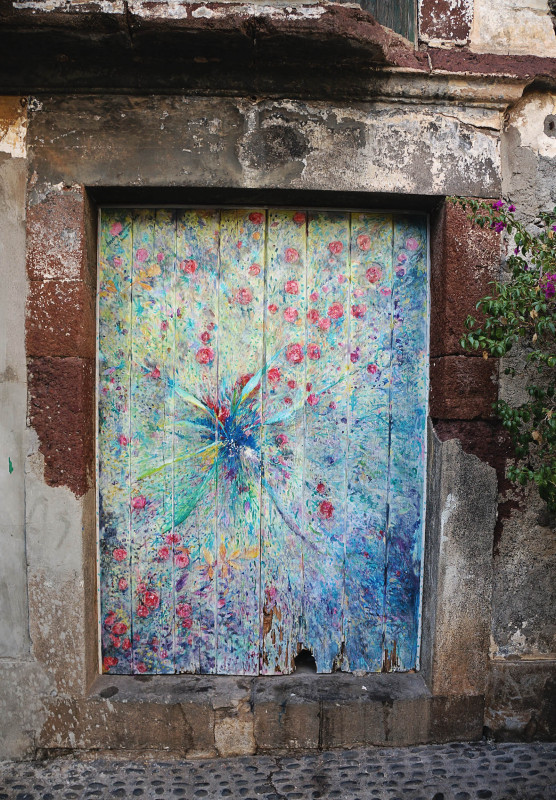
(20, 676)
(518, 27)
(523, 640)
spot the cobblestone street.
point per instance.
(436, 772)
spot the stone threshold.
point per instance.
(276, 714)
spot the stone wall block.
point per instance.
(61, 319)
(464, 260)
(61, 410)
(104, 725)
(290, 726)
(456, 718)
(460, 525)
(462, 387)
(56, 238)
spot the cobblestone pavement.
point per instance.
(435, 772)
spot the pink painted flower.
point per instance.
(313, 315)
(205, 337)
(314, 296)
(256, 217)
(184, 610)
(273, 308)
(326, 509)
(141, 668)
(163, 553)
(291, 287)
(244, 296)
(321, 488)
(117, 261)
(151, 599)
(291, 255)
(341, 278)
(139, 502)
(299, 217)
(313, 352)
(189, 266)
(187, 622)
(155, 373)
(335, 248)
(324, 324)
(372, 369)
(122, 584)
(308, 387)
(205, 355)
(126, 644)
(164, 325)
(354, 357)
(182, 559)
(288, 401)
(119, 628)
(374, 273)
(119, 554)
(385, 291)
(109, 661)
(292, 384)
(411, 244)
(160, 257)
(281, 439)
(254, 269)
(290, 314)
(332, 405)
(273, 375)
(172, 538)
(359, 311)
(142, 254)
(402, 258)
(294, 353)
(109, 620)
(364, 242)
(313, 399)
(123, 440)
(359, 292)
(116, 228)
(336, 311)
(142, 611)
(221, 602)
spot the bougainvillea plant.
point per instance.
(521, 311)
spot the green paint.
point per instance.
(10, 465)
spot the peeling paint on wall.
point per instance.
(13, 126)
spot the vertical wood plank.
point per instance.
(283, 535)
(151, 445)
(196, 439)
(114, 348)
(326, 435)
(368, 454)
(240, 363)
(408, 442)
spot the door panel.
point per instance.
(261, 436)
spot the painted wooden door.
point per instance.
(261, 439)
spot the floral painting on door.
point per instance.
(261, 439)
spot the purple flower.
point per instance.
(554, 227)
(498, 204)
(511, 208)
(548, 285)
(516, 251)
(498, 226)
